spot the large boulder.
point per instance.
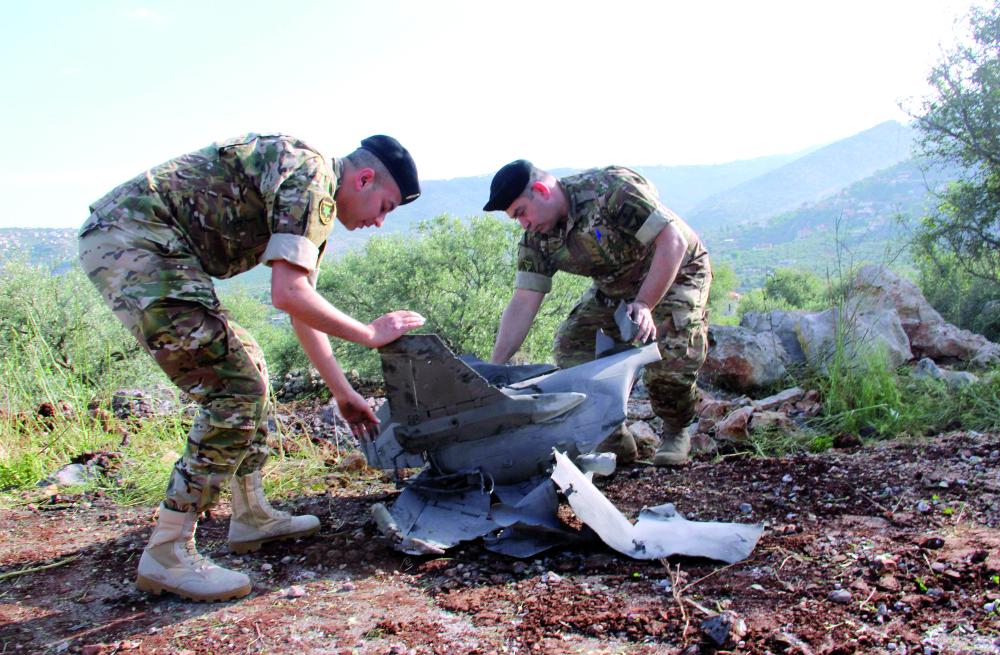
(742, 360)
(784, 325)
(877, 287)
(855, 333)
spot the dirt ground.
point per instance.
(891, 548)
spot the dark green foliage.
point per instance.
(962, 298)
(788, 288)
(960, 124)
(724, 282)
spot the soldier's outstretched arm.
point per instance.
(353, 407)
(515, 323)
(669, 248)
(292, 293)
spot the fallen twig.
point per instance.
(705, 577)
(35, 569)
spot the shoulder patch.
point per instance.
(327, 208)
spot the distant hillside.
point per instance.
(681, 187)
(54, 247)
(808, 178)
(868, 221)
(756, 214)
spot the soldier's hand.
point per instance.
(358, 414)
(389, 327)
(643, 317)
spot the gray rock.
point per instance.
(780, 325)
(926, 368)
(742, 360)
(139, 403)
(929, 334)
(841, 596)
(736, 426)
(70, 475)
(792, 395)
(857, 332)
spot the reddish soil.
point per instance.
(892, 548)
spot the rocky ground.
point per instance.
(889, 548)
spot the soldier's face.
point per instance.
(535, 212)
(365, 204)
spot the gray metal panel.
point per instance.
(657, 533)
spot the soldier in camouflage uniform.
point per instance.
(152, 246)
(609, 225)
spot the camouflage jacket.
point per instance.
(614, 216)
(236, 203)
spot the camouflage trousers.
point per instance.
(682, 338)
(158, 289)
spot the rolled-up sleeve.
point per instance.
(532, 282)
(636, 208)
(293, 249)
(534, 269)
(302, 214)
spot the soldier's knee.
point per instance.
(244, 413)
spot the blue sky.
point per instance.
(95, 92)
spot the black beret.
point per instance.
(509, 182)
(398, 162)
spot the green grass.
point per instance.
(871, 400)
(31, 449)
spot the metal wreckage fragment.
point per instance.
(495, 442)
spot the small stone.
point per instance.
(550, 577)
(295, 591)
(841, 596)
(938, 567)
(746, 508)
(787, 478)
(287, 559)
(266, 566)
(923, 507)
(889, 583)
(723, 627)
(347, 586)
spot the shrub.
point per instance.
(59, 341)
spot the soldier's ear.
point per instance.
(363, 177)
(541, 189)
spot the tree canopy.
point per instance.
(959, 123)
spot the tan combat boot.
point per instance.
(170, 562)
(255, 522)
(674, 448)
(621, 442)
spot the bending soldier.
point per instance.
(152, 246)
(608, 224)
